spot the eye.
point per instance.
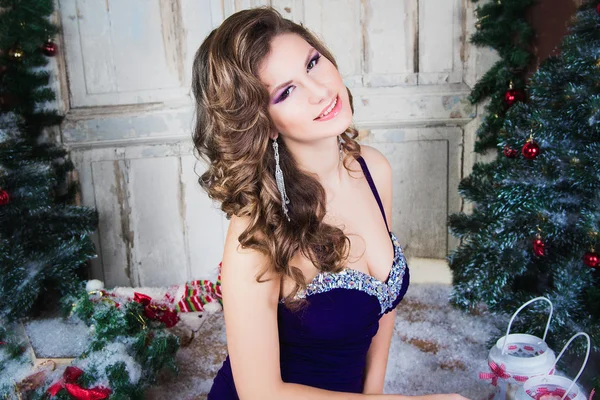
(314, 61)
(284, 95)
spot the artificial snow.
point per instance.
(58, 337)
(13, 370)
(111, 354)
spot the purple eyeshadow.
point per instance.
(280, 96)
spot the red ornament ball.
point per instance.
(591, 259)
(530, 150)
(510, 152)
(4, 199)
(538, 247)
(49, 48)
(598, 9)
(512, 96)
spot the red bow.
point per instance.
(67, 382)
(166, 315)
(499, 371)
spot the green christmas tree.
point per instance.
(536, 216)
(44, 239)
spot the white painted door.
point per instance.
(129, 117)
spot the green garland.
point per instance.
(119, 330)
(502, 26)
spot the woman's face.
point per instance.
(307, 97)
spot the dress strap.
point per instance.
(365, 169)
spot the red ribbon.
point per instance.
(558, 392)
(67, 382)
(499, 371)
(166, 315)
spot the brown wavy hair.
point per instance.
(232, 134)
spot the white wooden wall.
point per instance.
(126, 82)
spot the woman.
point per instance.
(308, 291)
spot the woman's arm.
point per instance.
(377, 357)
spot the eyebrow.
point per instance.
(310, 52)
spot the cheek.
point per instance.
(289, 117)
(332, 72)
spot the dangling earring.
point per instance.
(279, 179)
(340, 144)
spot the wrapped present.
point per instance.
(517, 357)
(191, 297)
(552, 387)
(200, 294)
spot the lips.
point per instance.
(331, 110)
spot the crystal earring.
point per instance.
(341, 146)
(279, 179)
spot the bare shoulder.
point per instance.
(241, 266)
(378, 164)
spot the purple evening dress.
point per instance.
(325, 344)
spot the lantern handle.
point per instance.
(587, 355)
(517, 312)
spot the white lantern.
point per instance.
(517, 357)
(554, 387)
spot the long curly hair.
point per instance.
(232, 134)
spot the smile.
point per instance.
(331, 110)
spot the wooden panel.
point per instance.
(198, 22)
(217, 11)
(390, 28)
(157, 223)
(420, 105)
(96, 74)
(157, 226)
(129, 52)
(421, 208)
(243, 4)
(440, 29)
(343, 38)
(114, 228)
(204, 223)
(88, 199)
(127, 124)
(290, 9)
(232, 6)
(426, 172)
(138, 45)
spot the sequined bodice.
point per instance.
(386, 292)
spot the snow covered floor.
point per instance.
(435, 349)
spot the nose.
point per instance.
(318, 91)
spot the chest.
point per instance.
(355, 211)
